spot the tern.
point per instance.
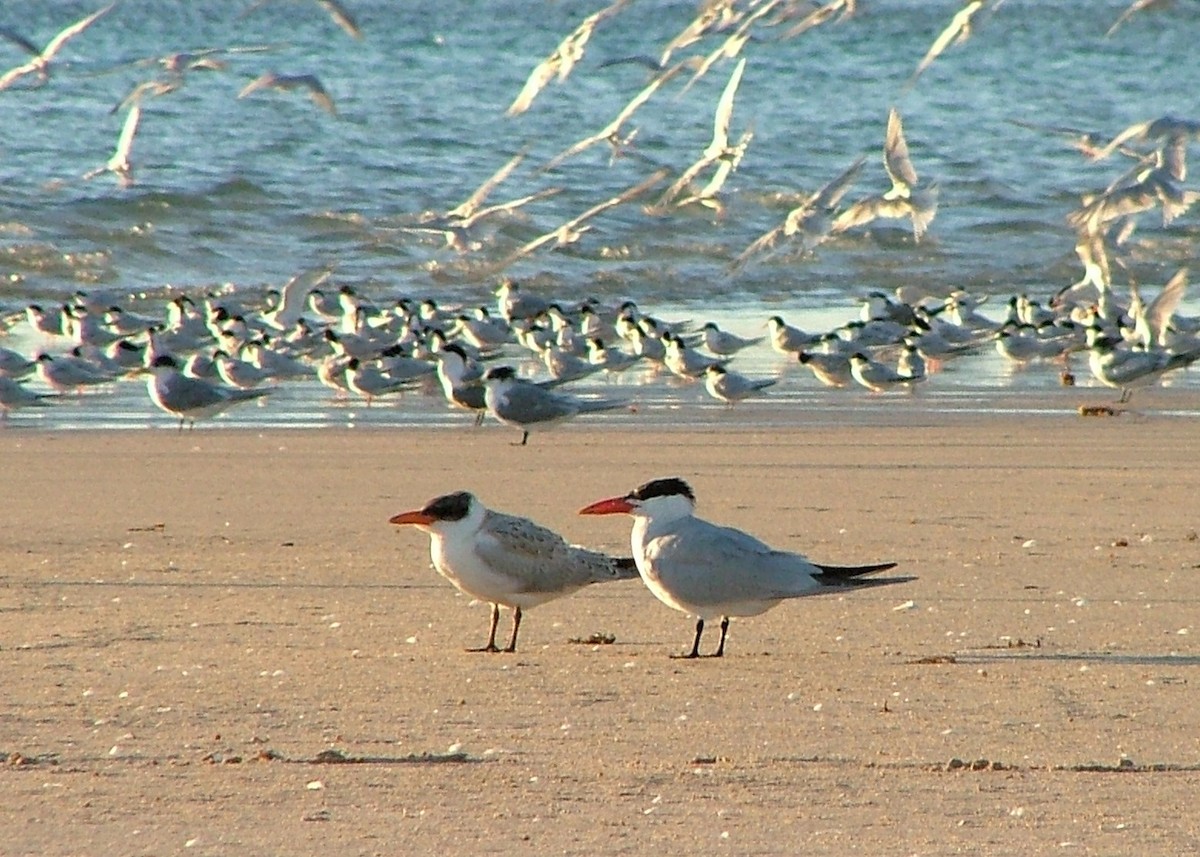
(573, 229)
(956, 32)
(14, 364)
(832, 370)
(812, 219)
(288, 82)
(710, 571)
(338, 13)
(730, 387)
(119, 164)
(906, 197)
(1125, 369)
(877, 377)
(562, 59)
(719, 151)
(14, 396)
(844, 9)
(1131, 10)
(42, 56)
(786, 339)
(722, 343)
(190, 398)
(526, 405)
(69, 373)
(506, 560)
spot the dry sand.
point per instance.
(214, 643)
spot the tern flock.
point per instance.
(202, 354)
(374, 346)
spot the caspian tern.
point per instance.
(708, 570)
(506, 560)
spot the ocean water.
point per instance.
(241, 194)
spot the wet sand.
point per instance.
(214, 643)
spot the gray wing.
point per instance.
(538, 559)
(724, 564)
(184, 393)
(529, 403)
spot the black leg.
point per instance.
(524, 438)
(491, 643)
(695, 652)
(720, 652)
(512, 641)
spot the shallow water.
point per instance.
(249, 192)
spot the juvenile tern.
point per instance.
(42, 56)
(711, 571)
(67, 373)
(525, 405)
(14, 364)
(506, 560)
(190, 398)
(832, 370)
(785, 339)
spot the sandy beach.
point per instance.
(215, 643)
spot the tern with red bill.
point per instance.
(506, 560)
(710, 571)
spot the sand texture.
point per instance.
(214, 643)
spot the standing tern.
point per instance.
(191, 398)
(722, 343)
(14, 396)
(1124, 369)
(730, 387)
(710, 571)
(526, 405)
(506, 560)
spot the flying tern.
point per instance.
(40, 64)
(907, 197)
(288, 82)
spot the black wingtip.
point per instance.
(834, 574)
